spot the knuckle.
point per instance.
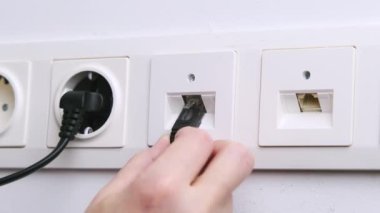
(202, 138)
(244, 154)
(105, 204)
(195, 133)
(164, 188)
(153, 193)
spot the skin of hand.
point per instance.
(194, 174)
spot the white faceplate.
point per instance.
(211, 75)
(114, 70)
(330, 77)
(15, 96)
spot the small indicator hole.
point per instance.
(306, 74)
(191, 77)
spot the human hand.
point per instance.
(194, 174)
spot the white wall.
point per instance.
(70, 191)
(72, 19)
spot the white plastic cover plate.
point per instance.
(324, 74)
(14, 103)
(211, 75)
(115, 71)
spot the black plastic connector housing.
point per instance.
(76, 104)
(191, 114)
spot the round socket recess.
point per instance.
(7, 103)
(91, 81)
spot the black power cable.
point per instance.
(43, 162)
(75, 105)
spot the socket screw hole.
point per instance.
(5, 107)
(88, 130)
(306, 74)
(191, 77)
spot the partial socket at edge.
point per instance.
(7, 102)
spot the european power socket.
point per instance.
(7, 103)
(14, 88)
(104, 75)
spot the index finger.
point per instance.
(184, 159)
(231, 164)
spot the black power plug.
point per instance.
(95, 83)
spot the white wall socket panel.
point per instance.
(14, 95)
(254, 86)
(211, 75)
(66, 76)
(307, 97)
